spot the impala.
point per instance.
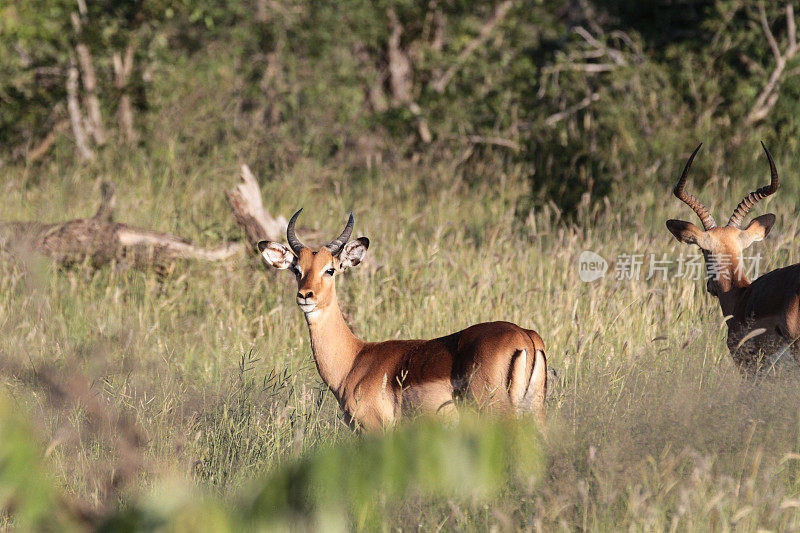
(496, 364)
(763, 317)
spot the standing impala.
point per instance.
(763, 316)
(496, 364)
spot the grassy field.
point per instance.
(650, 425)
(175, 397)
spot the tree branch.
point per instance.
(615, 55)
(500, 11)
(769, 94)
(561, 115)
(45, 144)
(123, 67)
(773, 44)
(493, 141)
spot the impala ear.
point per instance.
(686, 232)
(757, 229)
(353, 252)
(276, 255)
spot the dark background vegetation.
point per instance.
(585, 98)
(482, 146)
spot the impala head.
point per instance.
(723, 246)
(315, 269)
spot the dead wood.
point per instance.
(248, 210)
(99, 240)
(123, 68)
(250, 214)
(47, 142)
(571, 110)
(400, 67)
(75, 114)
(89, 79)
(769, 94)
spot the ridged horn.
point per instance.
(759, 194)
(680, 192)
(291, 235)
(335, 246)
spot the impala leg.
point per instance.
(537, 388)
(517, 382)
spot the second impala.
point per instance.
(763, 316)
(498, 365)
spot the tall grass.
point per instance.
(198, 384)
(650, 425)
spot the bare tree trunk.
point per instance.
(89, 79)
(373, 92)
(401, 75)
(422, 124)
(123, 67)
(437, 37)
(400, 69)
(100, 240)
(270, 86)
(75, 115)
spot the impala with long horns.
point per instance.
(763, 317)
(497, 364)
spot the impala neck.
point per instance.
(731, 284)
(333, 344)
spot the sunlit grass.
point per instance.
(650, 425)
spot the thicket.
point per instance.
(585, 99)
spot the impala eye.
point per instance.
(330, 271)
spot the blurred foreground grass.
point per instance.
(362, 479)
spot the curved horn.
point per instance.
(759, 194)
(335, 246)
(690, 200)
(291, 236)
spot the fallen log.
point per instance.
(99, 240)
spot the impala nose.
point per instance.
(303, 295)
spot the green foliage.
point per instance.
(655, 82)
(352, 484)
(28, 497)
(474, 459)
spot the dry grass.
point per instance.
(650, 425)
